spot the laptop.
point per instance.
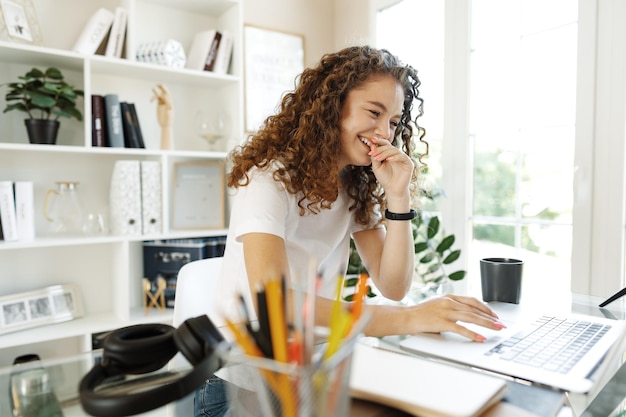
(566, 362)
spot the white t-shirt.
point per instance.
(265, 206)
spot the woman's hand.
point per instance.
(392, 167)
(442, 314)
(436, 315)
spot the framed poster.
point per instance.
(198, 195)
(272, 62)
(36, 308)
(19, 23)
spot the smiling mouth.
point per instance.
(365, 141)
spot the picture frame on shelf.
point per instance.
(272, 61)
(198, 195)
(49, 305)
(19, 22)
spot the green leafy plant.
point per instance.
(434, 251)
(43, 95)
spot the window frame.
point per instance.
(599, 184)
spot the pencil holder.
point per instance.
(262, 387)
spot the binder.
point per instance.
(151, 210)
(25, 210)
(125, 198)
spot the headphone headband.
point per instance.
(145, 348)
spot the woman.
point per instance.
(324, 169)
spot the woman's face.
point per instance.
(373, 109)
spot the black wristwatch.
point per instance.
(400, 216)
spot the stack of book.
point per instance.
(115, 123)
(17, 218)
(104, 33)
(211, 50)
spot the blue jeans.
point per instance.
(211, 400)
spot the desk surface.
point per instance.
(610, 394)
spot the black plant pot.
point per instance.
(42, 131)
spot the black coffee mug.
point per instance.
(501, 279)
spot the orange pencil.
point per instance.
(359, 297)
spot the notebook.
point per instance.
(420, 386)
(550, 365)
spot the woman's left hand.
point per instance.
(391, 166)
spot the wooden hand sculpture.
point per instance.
(165, 114)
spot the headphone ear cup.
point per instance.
(138, 349)
(197, 338)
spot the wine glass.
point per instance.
(211, 126)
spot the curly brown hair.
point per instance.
(304, 136)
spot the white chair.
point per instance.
(195, 282)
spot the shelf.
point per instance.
(26, 147)
(211, 7)
(49, 242)
(108, 269)
(34, 55)
(86, 325)
(157, 73)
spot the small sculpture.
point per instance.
(165, 114)
(157, 299)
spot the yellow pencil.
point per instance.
(278, 323)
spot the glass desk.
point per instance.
(63, 375)
(607, 399)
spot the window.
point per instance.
(522, 112)
(529, 139)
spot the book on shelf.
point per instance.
(113, 118)
(8, 216)
(24, 209)
(224, 53)
(131, 136)
(136, 124)
(98, 123)
(95, 32)
(199, 50)
(209, 64)
(115, 43)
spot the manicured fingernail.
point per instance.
(499, 325)
(480, 338)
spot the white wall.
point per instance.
(327, 25)
(311, 18)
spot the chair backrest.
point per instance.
(194, 284)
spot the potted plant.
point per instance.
(45, 97)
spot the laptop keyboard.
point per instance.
(552, 343)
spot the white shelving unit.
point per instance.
(107, 268)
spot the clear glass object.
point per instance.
(63, 209)
(212, 126)
(31, 390)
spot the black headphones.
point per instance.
(145, 348)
